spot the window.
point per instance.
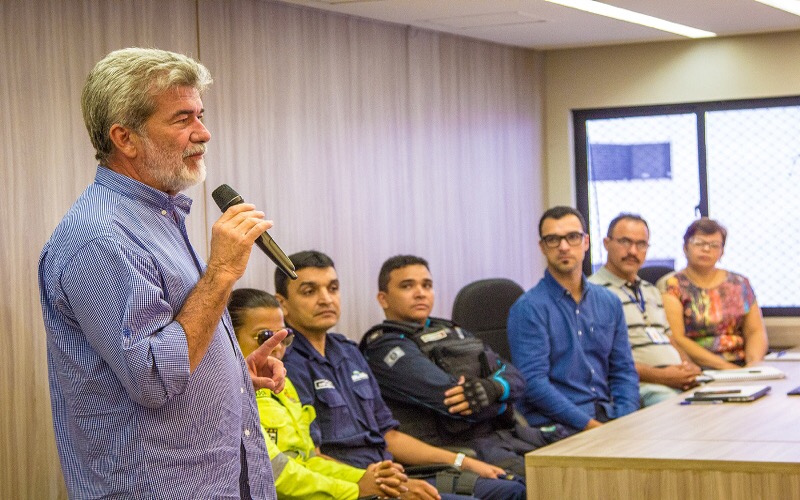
(736, 161)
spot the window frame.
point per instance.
(580, 141)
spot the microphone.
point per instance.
(226, 197)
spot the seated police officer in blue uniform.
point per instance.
(353, 423)
(444, 385)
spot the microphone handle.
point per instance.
(274, 252)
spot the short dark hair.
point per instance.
(560, 212)
(706, 226)
(626, 216)
(301, 260)
(397, 262)
(244, 299)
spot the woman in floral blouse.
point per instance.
(712, 312)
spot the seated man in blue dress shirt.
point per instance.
(568, 337)
(150, 394)
(353, 423)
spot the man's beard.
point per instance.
(168, 170)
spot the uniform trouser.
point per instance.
(499, 489)
(506, 448)
(490, 489)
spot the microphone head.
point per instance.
(225, 196)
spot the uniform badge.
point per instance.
(272, 433)
(434, 336)
(323, 383)
(392, 356)
(359, 375)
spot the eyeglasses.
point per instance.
(265, 335)
(640, 245)
(705, 245)
(553, 240)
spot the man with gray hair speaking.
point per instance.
(151, 396)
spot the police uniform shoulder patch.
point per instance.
(392, 356)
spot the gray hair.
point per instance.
(123, 86)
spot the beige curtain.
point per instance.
(359, 139)
(365, 140)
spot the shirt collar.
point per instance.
(557, 291)
(179, 204)
(615, 280)
(304, 347)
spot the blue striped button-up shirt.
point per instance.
(130, 419)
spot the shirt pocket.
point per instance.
(366, 397)
(334, 415)
(601, 336)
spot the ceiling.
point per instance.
(537, 24)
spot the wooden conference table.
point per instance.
(669, 451)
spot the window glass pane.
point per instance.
(753, 168)
(646, 165)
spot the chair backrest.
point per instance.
(482, 308)
(654, 273)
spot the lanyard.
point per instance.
(637, 297)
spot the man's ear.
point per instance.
(605, 242)
(282, 301)
(382, 300)
(125, 140)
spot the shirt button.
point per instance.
(242, 390)
(163, 212)
(593, 389)
(247, 431)
(577, 311)
(580, 332)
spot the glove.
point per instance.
(481, 392)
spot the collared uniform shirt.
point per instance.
(648, 329)
(573, 356)
(352, 418)
(413, 385)
(130, 420)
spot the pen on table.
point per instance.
(712, 402)
(781, 353)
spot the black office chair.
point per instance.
(482, 308)
(654, 273)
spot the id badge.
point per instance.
(656, 336)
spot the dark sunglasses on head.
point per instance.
(265, 335)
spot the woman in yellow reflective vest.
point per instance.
(300, 470)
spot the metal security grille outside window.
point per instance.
(735, 161)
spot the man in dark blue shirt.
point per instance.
(353, 423)
(569, 338)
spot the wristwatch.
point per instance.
(459, 460)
